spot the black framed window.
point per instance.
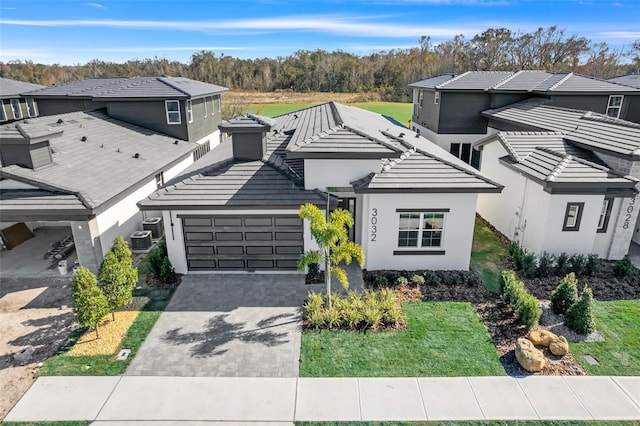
(605, 213)
(421, 229)
(572, 217)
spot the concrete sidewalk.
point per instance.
(114, 401)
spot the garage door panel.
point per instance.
(236, 242)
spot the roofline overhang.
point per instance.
(147, 205)
(494, 190)
(31, 214)
(626, 156)
(314, 155)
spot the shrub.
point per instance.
(592, 266)
(580, 315)
(432, 278)
(332, 317)
(118, 281)
(417, 280)
(154, 261)
(578, 264)
(517, 254)
(529, 265)
(525, 305)
(562, 264)
(313, 269)
(351, 317)
(402, 281)
(167, 273)
(372, 316)
(89, 303)
(545, 264)
(316, 319)
(623, 267)
(565, 294)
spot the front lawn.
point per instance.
(62, 364)
(619, 354)
(487, 255)
(441, 339)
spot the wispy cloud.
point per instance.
(620, 34)
(96, 6)
(24, 53)
(335, 24)
(159, 49)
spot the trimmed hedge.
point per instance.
(565, 294)
(579, 316)
(525, 305)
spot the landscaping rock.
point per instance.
(530, 358)
(541, 337)
(23, 355)
(560, 346)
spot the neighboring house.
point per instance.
(86, 171)
(570, 176)
(13, 106)
(447, 109)
(176, 106)
(413, 203)
(631, 80)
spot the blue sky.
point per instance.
(72, 32)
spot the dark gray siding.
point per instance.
(631, 109)
(503, 99)
(201, 125)
(429, 115)
(249, 146)
(150, 114)
(63, 106)
(460, 112)
(595, 103)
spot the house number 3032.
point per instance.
(628, 215)
(374, 224)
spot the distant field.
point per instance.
(397, 110)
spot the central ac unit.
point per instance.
(153, 224)
(141, 240)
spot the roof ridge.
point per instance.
(559, 168)
(511, 77)
(392, 163)
(163, 79)
(602, 118)
(512, 152)
(457, 77)
(373, 138)
(562, 80)
(336, 114)
(277, 163)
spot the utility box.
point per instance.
(141, 240)
(153, 224)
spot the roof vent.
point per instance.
(136, 155)
(83, 139)
(401, 135)
(175, 142)
(60, 121)
(101, 145)
(295, 116)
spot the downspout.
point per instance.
(519, 231)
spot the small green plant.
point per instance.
(89, 303)
(529, 261)
(402, 281)
(565, 294)
(546, 263)
(525, 305)
(156, 257)
(372, 316)
(517, 254)
(562, 264)
(593, 266)
(351, 317)
(417, 280)
(167, 273)
(315, 319)
(332, 317)
(578, 264)
(623, 267)
(580, 315)
(313, 270)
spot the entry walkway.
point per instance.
(118, 400)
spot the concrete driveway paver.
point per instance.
(202, 398)
(327, 399)
(502, 399)
(64, 398)
(603, 398)
(391, 399)
(552, 398)
(631, 386)
(449, 398)
(227, 325)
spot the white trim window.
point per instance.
(420, 98)
(3, 112)
(15, 107)
(32, 107)
(173, 112)
(189, 111)
(614, 106)
(436, 97)
(605, 214)
(421, 229)
(213, 105)
(159, 180)
(204, 103)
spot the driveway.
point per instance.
(229, 325)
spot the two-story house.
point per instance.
(99, 147)
(413, 203)
(447, 109)
(14, 106)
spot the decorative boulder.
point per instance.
(530, 358)
(560, 346)
(541, 337)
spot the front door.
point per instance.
(349, 204)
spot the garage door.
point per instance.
(232, 242)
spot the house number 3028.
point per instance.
(628, 216)
(374, 224)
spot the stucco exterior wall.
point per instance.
(380, 222)
(337, 173)
(444, 141)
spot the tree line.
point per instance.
(385, 73)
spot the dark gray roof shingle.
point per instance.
(12, 88)
(631, 80)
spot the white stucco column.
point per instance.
(87, 241)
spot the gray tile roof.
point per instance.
(632, 80)
(541, 82)
(24, 202)
(104, 165)
(588, 129)
(134, 87)
(12, 88)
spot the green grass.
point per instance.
(398, 110)
(442, 339)
(62, 364)
(487, 255)
(480, 423)
(619, 354)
